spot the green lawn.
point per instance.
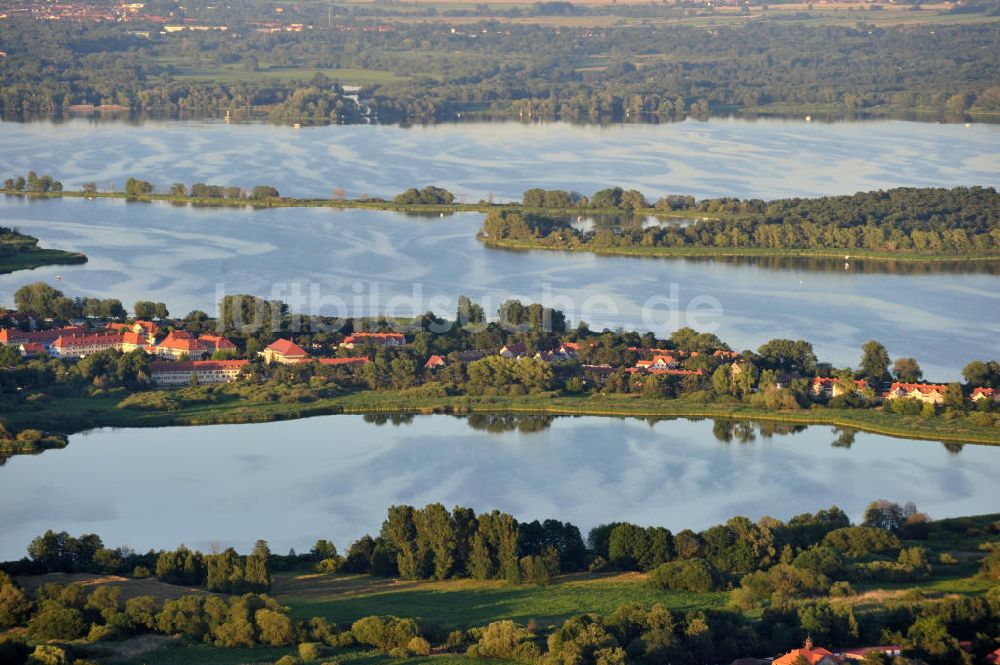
(465, 603)
(188, 654)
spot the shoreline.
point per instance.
(520, 245)
(83, 414)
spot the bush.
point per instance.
(695, 575)
(385, 633)
(57, 623)
(418, 646)
(310, 651)
(45, 654)
(287, 660)
(506, 639)
(947, 559)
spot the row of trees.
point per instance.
(33, 184)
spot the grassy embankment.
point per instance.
(21, 252)
(70, 415)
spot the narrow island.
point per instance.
(72, 364)
(902, 225)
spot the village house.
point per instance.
(657, 362)
(31, 349)
(513, 351)
(932, 393)
(80, 346)
(980, 394)
(377, 339)
(830, 387)
(727, 356)
(146, 329)
(204, 371)
(180, 344)
(435, 362)
(284, 351)
(216, 343)
(811, 654)
(132, 341)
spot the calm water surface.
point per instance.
(374, 262)
(334, 477)
(735, 157)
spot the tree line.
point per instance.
(955, 221)
(649, 73)
(786, 578)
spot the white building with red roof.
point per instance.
(205, 371)
(376, 338)
(80, 346)
(925, 392)
(180, 345)
(435, 361)
(979, 394)
(284, 351)
(216, 343)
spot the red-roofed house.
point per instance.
(180, 344)
(31, 349)
(812, 655)
(513, 351)
(435, 362)
(925, 392)
(16, 337)
(79, 346)
(205, 371)
(378, 339)
(216, 343)
(979, 394)
(993, 657)
(830, 387)
(132, 340)
(284, 351)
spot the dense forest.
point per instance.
(436, 71)
(784, 580)
(959, 221)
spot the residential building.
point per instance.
(435, 361)
(132, 341)
(513, 351)
(205, 371)
(16, 337)
(80, 346)
(180, 344)
(657, 362)
(216, 343)
(831, 387)
(31, 349)
(378, 339)
(284, 351)
(812, 655)
(979, 394)
(925, 392)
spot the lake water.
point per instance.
(333, 477)
(723, 157)
(383, 262)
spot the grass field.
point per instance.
(465, 603)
